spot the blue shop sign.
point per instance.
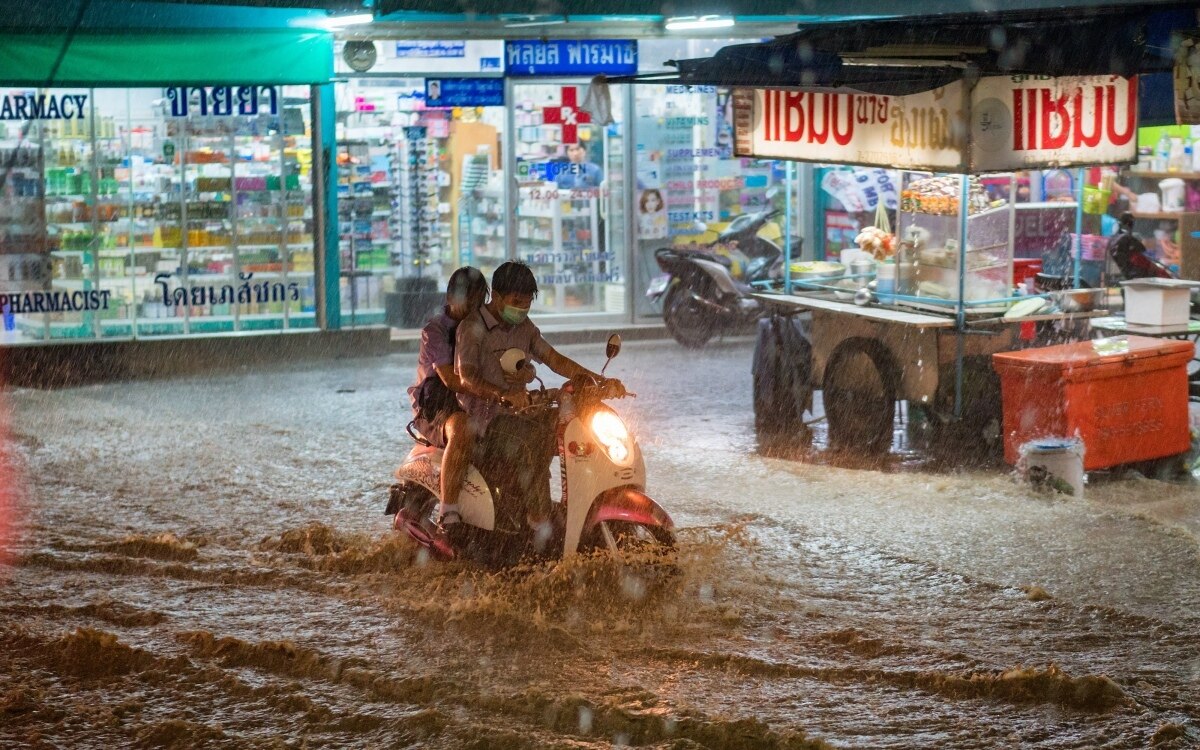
(431, 49)
(570, 57)
(464, 92)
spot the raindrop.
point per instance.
(585, 720)
(422, 557)
(669, 725)
(706, 592)
(620, 740)
(998, 37)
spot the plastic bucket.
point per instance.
(1054, 462)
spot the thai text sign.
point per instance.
(1020, 122)
(556, 57)
(464, 92)
(222, 101)
(1016, 122)
(925, 130)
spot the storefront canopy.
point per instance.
(197, 58)
(899, 57)
(132, 43)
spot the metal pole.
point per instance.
(789, 178)
(1078, 228)
(327, 256)
(960, 336)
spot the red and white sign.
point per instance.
(569, 115)
(922, 131)
(1016, 123)
(1053, 122)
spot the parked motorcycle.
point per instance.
(708, 291)
(604, 504)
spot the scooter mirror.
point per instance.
(613, 348)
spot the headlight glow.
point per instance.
(612, 434)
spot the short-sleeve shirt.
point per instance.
(481, 340)
(436, 350)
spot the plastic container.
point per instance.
(1158, 302)
(1172, 190)
(885, 278)
(1095, 200)
(1025, 268)
(1056, 462)
(1126, 398)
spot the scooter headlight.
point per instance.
(612, 434)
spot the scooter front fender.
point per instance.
(628, 504)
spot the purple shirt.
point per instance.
(435, 350)
(481, 340)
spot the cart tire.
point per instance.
(689, 322)
(782, 382)
(859, 390)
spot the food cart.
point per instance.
(923, 325)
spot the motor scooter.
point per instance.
(707, 292)
(604, 504)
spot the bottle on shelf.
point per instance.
(1176, 161)
(1162, 153)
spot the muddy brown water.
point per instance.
(204, 563)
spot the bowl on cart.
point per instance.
(813, 274)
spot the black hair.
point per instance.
(514, 277)
(465, 284)
(1126, 220)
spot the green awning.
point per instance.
(201, 58)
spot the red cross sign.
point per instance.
(568, 115)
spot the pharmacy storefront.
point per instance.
(132, 207)
(475, 152)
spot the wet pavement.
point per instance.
(204, 562)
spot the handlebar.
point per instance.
(582, 387)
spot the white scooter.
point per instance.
(604, 504)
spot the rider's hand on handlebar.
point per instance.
(613, 388)
(517, 398)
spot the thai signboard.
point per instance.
(1015, 123)
(1024, 122)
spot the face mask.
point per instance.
(514, 315)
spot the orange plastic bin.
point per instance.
(1126, 397)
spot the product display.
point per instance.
(150, 224)
(414, 198)
(930, 250)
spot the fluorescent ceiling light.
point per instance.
(340, 22)
(524, 22)
(692, 23)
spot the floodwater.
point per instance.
(204, 563)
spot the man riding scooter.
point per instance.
(511, 441)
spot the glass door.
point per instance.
(570, 208)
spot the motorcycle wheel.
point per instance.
(689, 322)
(622, 538)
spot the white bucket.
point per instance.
(1054, 462)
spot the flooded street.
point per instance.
(205, 562)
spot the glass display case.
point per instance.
(160, 212)
(931, 249)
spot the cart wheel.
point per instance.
(782, 388)
(861, 381)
